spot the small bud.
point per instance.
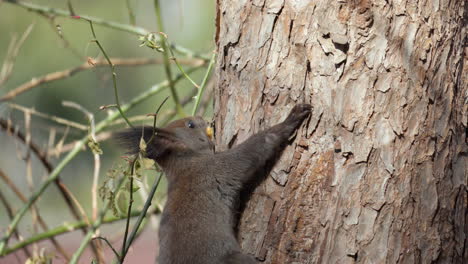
(163, 34)
(91, 61)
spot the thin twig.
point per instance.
(155, 118)
(75, 201)
(97, 165)
(60, 143)
(130, 203)
(86, 66)
(9, 211)
(56, 119)
(142, 215)
(143, 191)
(58, 30)
(44, 226)
(93, 229)
(131, 14)
(8, 208)
(177, 62)
(114, 75)
(5, 70)
(9, 63)
(167, 67)
(108, 243)
(207, 97)
(67, 195)
(136, 118)
(70, 8)
(103, 136)
(141, 229)
(110, 24)
(64, 228)
(203, 84)
(12, 186)
(29, 179)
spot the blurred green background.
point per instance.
(187, 23)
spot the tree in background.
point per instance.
(379, 173)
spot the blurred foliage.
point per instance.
(188, 23)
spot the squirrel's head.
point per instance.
(185, 136)
(191, 134)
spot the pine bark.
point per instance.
(379, 172)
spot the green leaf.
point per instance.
(121, 202)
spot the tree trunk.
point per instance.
(379, 172)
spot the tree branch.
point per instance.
(65, 228)
(167, 67)
(86, 66)
(115, 25)
(44, 226)
(10, 213)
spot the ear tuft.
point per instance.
(130, 138)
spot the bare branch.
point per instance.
(29, 177)
(86, 66)
(58, 30)
(97, 161)
(65, 228)
(66, 194)
(114, 75)
(56, 119)
(167, 68)
(44, 226)
(97, 166)
(201, 89)
(131, 14)
(110, 24)
(10, 214)
(13, 50)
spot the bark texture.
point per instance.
(379, 172)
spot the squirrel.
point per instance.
(199, 219)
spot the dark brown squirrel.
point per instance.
(199, 219)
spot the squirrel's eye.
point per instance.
(190, 124)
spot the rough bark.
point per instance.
(379, 173)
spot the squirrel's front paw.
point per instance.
(299, 112)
